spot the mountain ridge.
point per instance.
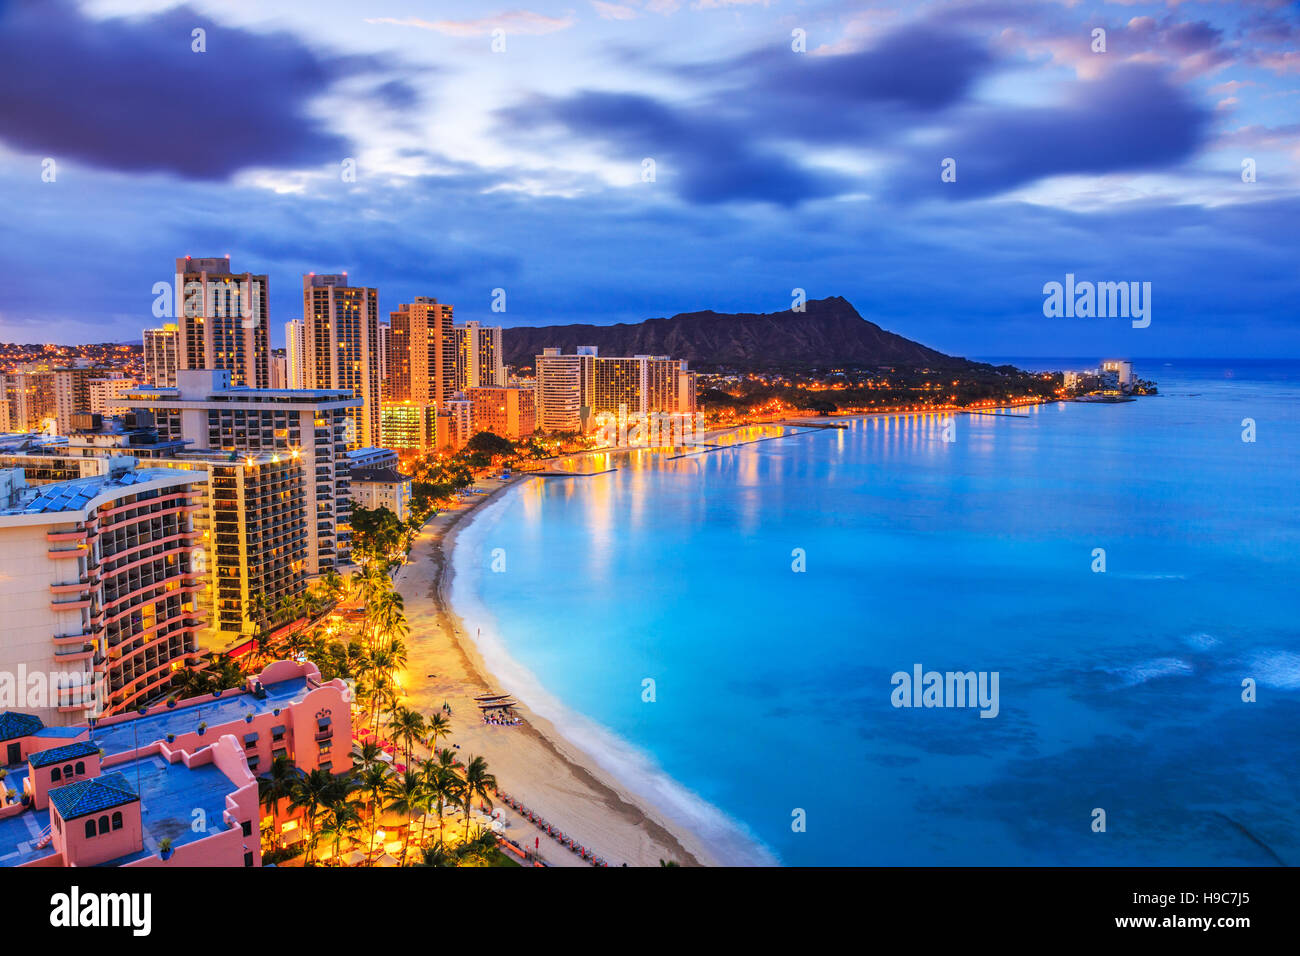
(829, 331)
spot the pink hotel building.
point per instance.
(109, 791)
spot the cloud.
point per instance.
(519, 22)
(1131, 119)
(706, 159)
(132, 95)
(745, 134)
(613, 11)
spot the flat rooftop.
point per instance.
(169, 795)
(77, 494)
(228, 708)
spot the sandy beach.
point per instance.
(532, 762)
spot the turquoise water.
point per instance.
(1119, 690)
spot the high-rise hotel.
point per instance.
(479, 361)
(222, 321)
(161, 355)
(98, 585)
(310, 424)
(572, 389)
(341, 347)
(422, 352)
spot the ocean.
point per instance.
(722, 630)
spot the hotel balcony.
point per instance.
(75, 605)
(61, 536)
(81, 652)
(72, 587)
(69, 639)
(81, 697)
(59, 554)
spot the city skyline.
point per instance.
(774, 170)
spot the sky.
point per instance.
(615, 161)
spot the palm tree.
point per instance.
(279, 784)
(373, 782)
(443, 783)
(341, 819)
(437, 726)
(366, 754)
(260, 612)
(407, 725)
(477, 783)
(317, 789)
(331, 583)
(407, 796)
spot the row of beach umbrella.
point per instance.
(554, 832)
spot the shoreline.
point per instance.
(534, 762)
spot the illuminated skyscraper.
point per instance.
(160, 355)
(222, 321)
(341, 339)
(422, 352)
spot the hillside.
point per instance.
(829, 332)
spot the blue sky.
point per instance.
(774, 169)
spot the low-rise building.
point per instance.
(382, 488)
(108, 793)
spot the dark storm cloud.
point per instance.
(707, 159)
(918, 67)
(130, 94)
(1131, 119)
(738, 140)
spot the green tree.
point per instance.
(477, 782)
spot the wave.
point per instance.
(731, 843)
(1202, 642)
(1279, 669)
(1136, 674)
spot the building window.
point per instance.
(67, 770)
(117, 820)
(248, 858)
(56, 774)
(90, 828)
(248, 827)
(103, 824)
(81, 767)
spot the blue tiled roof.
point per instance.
(14, 725)
(59, 754)
(92, 796)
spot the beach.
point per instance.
(532, 762)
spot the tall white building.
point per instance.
(295, 353)
(160, 356)
(572, 389)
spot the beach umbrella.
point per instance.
(386, 860)
(355, 858)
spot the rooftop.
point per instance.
(92, 796)
(59, 754)
(14, 725)
(386, 474)
(229, 708)
(77, 494)
(170, 793)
